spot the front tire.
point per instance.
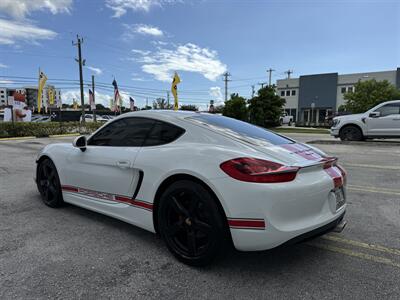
(351, 133)
(48, 183)
(190, 223)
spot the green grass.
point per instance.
(301, 130)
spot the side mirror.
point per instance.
(375, 114)
(80, 142)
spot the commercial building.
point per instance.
(310, 98)
(30, 94)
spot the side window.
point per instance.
(288, 93)
(282, 93)
(163, 133)
(293, 92)
(127, 132)
(389, 109)
(343, 90)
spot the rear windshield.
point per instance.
(239, 129)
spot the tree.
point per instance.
(368, 94)
(189, 107)
(266, 108)
(236, 108)
(161, 103)
(219, 109)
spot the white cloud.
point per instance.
(120, 7)
(189, 57)
(96, 71)
(3, 65)
(141, 29)
(21, 8)
(148, 30)
(6, 82)
(216, 94)
(13, 31)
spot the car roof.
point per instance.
(164, 115)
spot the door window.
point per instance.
(389, 109)
(127, 132)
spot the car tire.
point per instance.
(351, 133)
(48, 183)
(191, 224)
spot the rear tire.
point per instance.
(48, 183)
(351, 133)
(190, 223)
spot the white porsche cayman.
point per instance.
(201, 181)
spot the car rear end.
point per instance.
(303, 200)
(279, 190)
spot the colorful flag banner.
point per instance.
(117, 97)
(51, 96)
(174, 90)
(91, 100)
(42, 82)
(132, 103)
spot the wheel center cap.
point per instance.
(188, 222)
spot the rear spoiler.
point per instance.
(325, 162)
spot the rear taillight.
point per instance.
(258, 170)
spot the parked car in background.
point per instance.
(41, 119)
(381, 121)
(89, 118)
(286, 119)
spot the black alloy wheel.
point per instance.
(191, 224)
(48, 183)
(350, 133)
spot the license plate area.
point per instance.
(340, 197)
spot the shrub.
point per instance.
(20, 129)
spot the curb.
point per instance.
(34, 137)
(367, 143)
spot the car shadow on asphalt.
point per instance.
(276, 260)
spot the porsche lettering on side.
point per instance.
(202, 181)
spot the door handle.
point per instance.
(123, 164)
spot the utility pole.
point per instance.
(94, 100)
(147, 102)
(81, 63)
(252, 91)
(167, 99)
(226, 75)
(288, 72)
(262, 84)
(270, 75)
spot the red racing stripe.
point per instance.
(247, 223)
(109, 197)
(68, 188)
(134, 202)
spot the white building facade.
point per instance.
(310, 98)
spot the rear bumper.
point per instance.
(264, 216)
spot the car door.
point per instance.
(387, 123)
(107, 167)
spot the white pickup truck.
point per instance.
(286, 119)
(381, 121)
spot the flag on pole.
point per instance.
(91, 100)
(132, 103)
(42, 82)
(111, 104)
(117, 97)
(174, 89)
(51, 96)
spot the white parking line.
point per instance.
(372, 166)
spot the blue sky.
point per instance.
(142, 42)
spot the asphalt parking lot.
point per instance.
(74, 253)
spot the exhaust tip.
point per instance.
(339, 227)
